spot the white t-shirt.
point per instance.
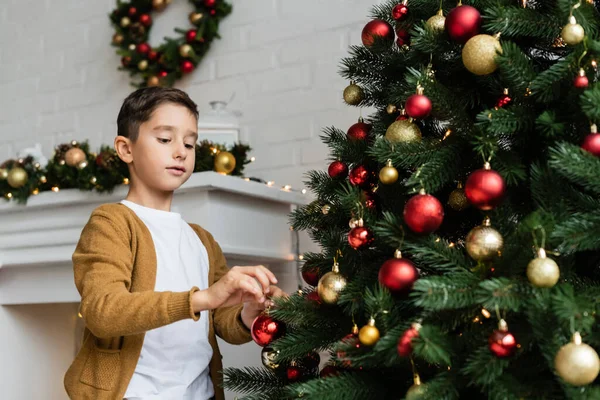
(174, 362)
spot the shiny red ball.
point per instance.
(400, 11)
(265, 330)
(423, 213)
(360, 237)
(314, 296)
(132, 11)
(190, 35)
(462, 23)
(359, 175)
(485, 189)
(591, 143)
(403, 37)
(152, 55)
(329, 370)
(294, 373)
(418, 106)
(213, 12)
(398, 275)
(311, 276)
(405, 342)
(502, 343)
(337, 169)
(503, 101)
(143, 48)
(163, 74)
(359, 131)
(145, 20)
(581, 82)
(187, 66)
(210, 3)
(377, 29)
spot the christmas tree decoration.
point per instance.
(185, 50)
(462, 23)
(501, 342)
(159, 5)
(17, 177)
(3, 174)
(391, 109)
(360, 176)
(360, 237)
(132, 11)
(402, 37)
(331, 285)
(224, 162)
(294, 372)
(418, 105)
(369, 199)
(125, 22)
(359, 131)
(484, 242)
(265, 330)
(437, 23)
(388, 175)
(268, 356)
(581, 81)
(504, 100)
(187, 66)
(369, 334)
(74, 157)
(457, 200)
(125, 61)
(329, 370)
(195, 17)
(190, 35)
(337, 170)
(145, 20)
(572, 33)
(314, 297)
(485, 188)
(402, 116)
(577, 363)
(543, 272)
(143, 48)
(417, 391)
(142, 65)
(117, 39)
(310, 276)
(354, 223)
(376, 30)
(403, 131)
(400, 11)
(423, 213)
(398, 274)
(153, 81)
(325, 209)
(353, 94)
(591, 143)
(404, 347)
(479, 54)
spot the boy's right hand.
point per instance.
(239, 285)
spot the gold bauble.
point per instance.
(17, 177)
(325, 209)
(74, 156)
(131, 47)
(415, 392)
(458, 200)
(390, 109)
(117, 38)
(543, 272)
(577, 363)
(479, 54)
(572, 33)
(142, 65)
(331, 285)
(3, 174)
(403, 131)
(185, 50)
(195, 17)
(268, 356)
(388, 175)
(159, 5)
(153, 81)
(369, 334)
(125, 21)
(353, 94)
(484, 242)
(224, 162)
(437, 23)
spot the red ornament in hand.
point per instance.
(400, 11)
(187, 66)
(418, 106)
(311, 276)
(337, 169)
(462, 23)
(485, 188)
(398, 275)
(405, 342)
(294, 373)
(501, 342)
(591, 143)
(145, 20)
(403, 37)
(190, 35)
(376, 30)
(143, 48)
(360, 237)
(423, 213)
(359, 176)
(359, 131)
(265, 329)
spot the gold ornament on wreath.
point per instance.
(224, 162)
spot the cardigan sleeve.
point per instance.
(103, 265)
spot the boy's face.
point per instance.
(163, 156)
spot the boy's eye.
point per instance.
(189, 146)
(162, 140)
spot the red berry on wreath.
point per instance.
(132, 11)
(400, 11)
(187, 66)
(143, 48)
(210, 3)
(163, 74)
(190, 35)
(145, 20)
(403, 37)
(152, 55)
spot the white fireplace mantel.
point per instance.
(248, 219)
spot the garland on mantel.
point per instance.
(74, 166)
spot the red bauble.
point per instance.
(405, 342)
(145, 20)
(581, 82)
(311, 276)
(360, 237)
(377, 29)
(126, 60)
(403, 37)
(485, 189)
(359, 131)
(132, 11)
(502, 343)
(359, 176)
(418, 106)
(152, 55)
(400, 11)
(187, 66)
(329, 370)
(265, 329)
(294, 373)
(423, 213)
(143, 48)
(210, 3)
(402, 117)
(338, 169)
(314, 296)
(462, 23)
(591, 143)
(503, 101)
(190, 35)
(398, 275)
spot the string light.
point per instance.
(35, 191)
(55, 189)
(252, 159)
(9, 195)
(126, 181)
(485, 313)
(287, 188)
(448, 133)
(270, 183)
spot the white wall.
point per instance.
(59, 81)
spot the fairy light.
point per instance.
(43, 179)
(270, 183)
(448, 133)
(252, 159)
(9, 195)
(301, 257)
(303, 191)
(594, 65)
(287, 188)
(55, 189)
(35, 191)
(126, 181)
(485, 313)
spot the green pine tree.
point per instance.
(533, 139)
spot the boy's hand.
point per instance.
(240, 284)
(253, 309)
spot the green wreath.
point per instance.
(162, 66)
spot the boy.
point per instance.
(154, 289)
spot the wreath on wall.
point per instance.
(175, 57)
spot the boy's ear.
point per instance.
(123, 149)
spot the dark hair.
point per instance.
(138, 107)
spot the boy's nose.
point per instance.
(180, 152)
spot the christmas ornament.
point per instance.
(329, 370)
(423, 213)
(402, 116)
(17, 177)
(268, 356)
(359, 176)
(418, 105)
(159, 5)
(311, 361)
(325, 209)
(591, 143)
(117, 38)
(163, 74)
(388, 175)
(314, 296)
(403, 131)
(542, 271)
(3, 174)
(265, 330)
(462, 23)
(143, 48)
(369, 199)
(187, 66)
(195, 17)
(153, 81)
(504, 100)
(210, 3)
(501, 342)
(145, 20)
(402, 37)
(572, 33)
(137, 31)
(479, 54)
(398, 274)
(132, 11)
(190, 35)
(310, 276)
(294, 372)
(457, 199)
(125, 21)
(125, 61)
(400, 11)
(359, 131)
(577, 363)
(581, 80)
(353, 94)
(74, 156)
(390, 109)
(185, 50)
(224, 162)
(416, 391)
(331, 285)
(369, 334)
(142, 65)
(377, 30)
(437, 23)
(485, 188)
(405, 342)
(360, 237)
(152, 55)
(484, 242)
(353, 223)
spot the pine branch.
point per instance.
(251, 380)
(503, 293)
(589, 103)
(515, 68)
(580, 232)
(576, 165)
(483, 368)
(433, 346)
(514, 21)
(451, 291)
(437, 255)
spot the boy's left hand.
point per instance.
(253, 309)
